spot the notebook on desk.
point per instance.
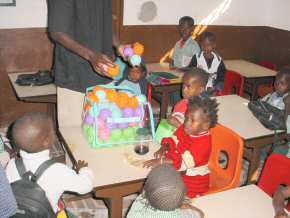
(160, 78)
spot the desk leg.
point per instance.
(116, 207)
(254, 95)
(51, 111)
(164, 105)
(254, 165)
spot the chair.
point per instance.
(265, 89)
(275, 173)
(233, 80)
(228, 142)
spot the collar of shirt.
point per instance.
(182, 43)
(39, 155)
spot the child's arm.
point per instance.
(278, 202)
(221, 71)
(172, 120)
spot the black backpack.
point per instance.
(270, 116)
(30, 197)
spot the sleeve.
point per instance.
(60, 15)
(172, 153)
(221, 73)
(81, 183)
(179, 110)
(193, 62)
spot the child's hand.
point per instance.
(80, 164)
(152, 163)
(158, 154)
(174, 121)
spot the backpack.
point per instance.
(271, 117)
(30, 197)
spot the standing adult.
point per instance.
(82, 32)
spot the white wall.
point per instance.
(27, 13)
(33, 13)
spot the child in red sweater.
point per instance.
(190, 148)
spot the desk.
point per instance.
(254, 74)
(166, 89)
(114, 176)
(234, 114)
(244, 202)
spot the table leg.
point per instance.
(115, 207)
(164, 104)
(254, 165)
(51, 111)
(254, 95)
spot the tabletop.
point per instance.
(234, 114)
(243, 202)
(249, 69)
(31, 91)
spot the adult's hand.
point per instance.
(99, 62)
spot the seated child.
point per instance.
(135, 78)
(209, 61)
(163, 196)
(186, 47)
(193, 84)
(190, 148)
(33, 134)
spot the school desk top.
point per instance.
(243, 202)
(164, 67)
(234, 114)
(31, 91)
(249, 69)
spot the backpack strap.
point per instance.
(20, 166)
(40, 170)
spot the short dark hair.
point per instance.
(208, 105)
(208, 35)
(186, 19)
(284, 71)
(198, 73)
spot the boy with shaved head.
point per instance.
(33, 135)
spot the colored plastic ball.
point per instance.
(133, 124)
(133, 102)
(97, 88)
(122, 100)
(89, 131)
(111, 94)
(123, 125)
(128, 52)
(116, 134)
(104, 134)
(93, 97)
(138, 48)
(142, 99)
(101, 123)
(87, 107)
(135, 60)
(117, 113)
(89, 119)
(105, 113)
(101, 95)
(111, 125)
(129, 133)
(128, 112)
(114, 71)
(139, 112)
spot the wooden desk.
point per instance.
(114, 176)
(234, 114)
(254, 74)
(244, 202)
(167, 89)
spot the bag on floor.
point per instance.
(30, 197)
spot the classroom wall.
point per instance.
(24, 44)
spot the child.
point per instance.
(163, 196)
(186, 47)
(33, 134)
(135, 78)
(193, 84)
(190, 148)
(209, 61)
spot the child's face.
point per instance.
(196, 122)
(191, 86)
(281, 84)
(207, 47)
(135, 74)
(185, 30)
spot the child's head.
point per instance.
(164, 188)
(33, 132)
(201, 115)
(282, 82)
(193, 82)
(207, 43)
(185, 27)
(136, 73)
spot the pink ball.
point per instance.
(128, 52)
(105, 113)
(104, 133)
(128, 112)
(132, 124)
(101, 123)
(139, 112)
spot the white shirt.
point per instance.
(56, 179)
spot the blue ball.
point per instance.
(101, 95)
(135, 60)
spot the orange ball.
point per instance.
(133, 102)
(122, 100)
(111, 94)
(87, 107)
(114, 71)
(138, 48)
(97, 88)
(93, 97)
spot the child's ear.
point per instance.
(206, 125)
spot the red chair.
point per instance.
(233, 80)
(275, 173)
(265, 89)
